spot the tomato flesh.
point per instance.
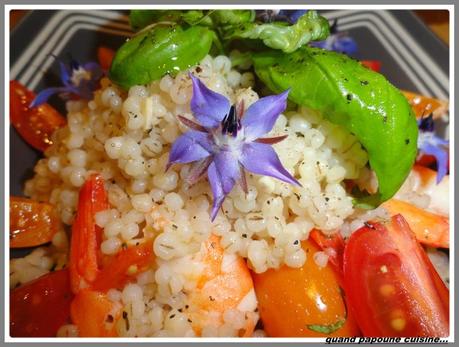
(390, 285)
(39, 308)
(32, 223)
(35, 125)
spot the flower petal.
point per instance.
(293, 15)
(441, 155)
(261, 159)
(208, 107)
(191, 146)
(260, 117)
(197, 170)
(217, 189)
(345, 44)
(45, 94)
(65, 74)
(228, 168)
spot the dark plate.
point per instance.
(412, 57)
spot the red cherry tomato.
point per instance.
(333, 246)
(115, 274)
(86, 235)
(32, 223)
(105, 56)
(374, 65)
(40, 307)
(391, 285)
(35, 125)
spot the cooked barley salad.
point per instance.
(202, 185)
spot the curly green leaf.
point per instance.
(357, 98)
(277, 35)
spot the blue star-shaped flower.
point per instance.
(226, 141)
(430, 144)
(79, 80)
(337, 41)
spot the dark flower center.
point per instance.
(427, 123)
(74, 64)
(231, 123)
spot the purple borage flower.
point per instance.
(226, 141)
(79, 80)
(430, 144)
(337, 41)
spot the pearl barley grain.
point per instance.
(173, 201)
(110, 246)
(142, 202)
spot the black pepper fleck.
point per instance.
(369, 225)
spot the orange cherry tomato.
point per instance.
(423, 105)
(86, 235)
(32, 223)
(95, 314)
(391, 284)
(35, 125)
(303, 302)
(39, 308)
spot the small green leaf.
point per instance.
(327, 329)
(163, 49)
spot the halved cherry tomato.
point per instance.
(95, 314)
(105, 56)
(430, 228)
(390, 285)
(332, 245)
(116, 273)
(32, 223)
(423, 105)
(40, 307)
(302, 302)
(86, 235)
(374, 65)
(35, 125)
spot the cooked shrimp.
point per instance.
(224, 292)
(431, 224)
(425, 179)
